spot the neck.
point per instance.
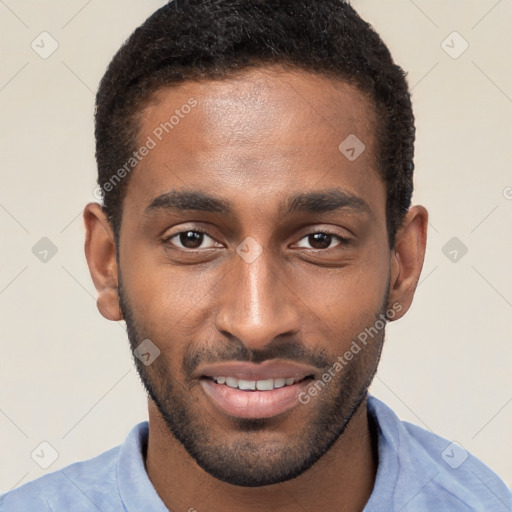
(341, 480)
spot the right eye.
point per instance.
(191, 239)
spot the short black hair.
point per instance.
(211, 39)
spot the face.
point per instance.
(252, 253)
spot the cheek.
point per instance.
(169, 303)
(341, 303)
(157, 287)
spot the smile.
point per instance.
(254, 403)
(249, 390)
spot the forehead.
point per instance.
(253, 102)
(265, 130)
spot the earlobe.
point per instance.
(407, 258)
(100, 252)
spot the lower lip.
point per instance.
(253, 404)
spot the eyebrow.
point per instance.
(308, 202)
(326, 201)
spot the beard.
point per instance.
(250, 454)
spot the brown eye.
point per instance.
(191, 239)
(322, 240)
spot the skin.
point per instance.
(254, 140)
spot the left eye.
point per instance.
(321, 240)
(192, 239)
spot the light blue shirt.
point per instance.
(418, 471)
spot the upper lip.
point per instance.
(251, 371)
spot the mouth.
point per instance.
(246, 390)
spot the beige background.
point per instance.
(66, 373)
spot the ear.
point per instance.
(407, 258)
(100, 251)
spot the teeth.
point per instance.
(246, 384)
(265, 385)
(279, 383)
(231, 382)
(251, 385)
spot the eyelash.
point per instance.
(342, 240)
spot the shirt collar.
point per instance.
(135, 488)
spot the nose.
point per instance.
(257, 304)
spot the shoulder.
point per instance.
(440, 471)
(82, 484)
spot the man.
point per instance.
(256, 234)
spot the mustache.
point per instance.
(289, 350)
